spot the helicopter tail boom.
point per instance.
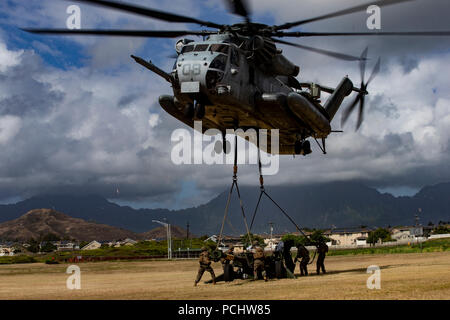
(335, 100)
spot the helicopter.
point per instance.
(237, 77)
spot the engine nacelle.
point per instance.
(281, 66)
(309, 113)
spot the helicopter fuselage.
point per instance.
(234, 91)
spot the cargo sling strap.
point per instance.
(263, 192)
(234, 184)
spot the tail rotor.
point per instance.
(362, 92)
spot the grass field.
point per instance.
(403, 276)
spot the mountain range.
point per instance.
(339, 204)
(39, 222)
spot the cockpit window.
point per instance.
(220, 48)
(198, 47)
(186, 49)
(219, 62)
(201, 47)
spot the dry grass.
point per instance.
(403, 276)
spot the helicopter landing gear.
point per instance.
(189, 110)
(199, 111)
(302, 147)
(234, 185)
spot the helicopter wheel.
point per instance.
(189, 111)
(199, 111)
(306, 148)
(302, 147)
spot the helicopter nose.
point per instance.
(192, 71)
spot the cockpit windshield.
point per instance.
(186, 49)
(201, 47)
(198, 47)
(223, 48)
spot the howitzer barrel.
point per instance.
(309, 113)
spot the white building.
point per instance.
(92, 245)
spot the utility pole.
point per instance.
(169, 238)
(417, 226)
(271, 229)
(271, 234)
(419, 210)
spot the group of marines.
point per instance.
(259, 260)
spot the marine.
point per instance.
(227, 256)
(303, 254)
(258, 261)
(322, 250)
(205, 265)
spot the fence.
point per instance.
(177, 254)
(186, 254)
(376, 245)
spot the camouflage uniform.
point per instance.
(205, 265)
(303, 254)
(259, 262)
(322, 250)
(224, 259)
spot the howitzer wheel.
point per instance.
(228, 272)
(279, 269)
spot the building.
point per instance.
(401, 233)
(92, 245)
(128, 242)
(348, 236)
(411, 233)
(66, 246)
(6, 249)
(361, 241)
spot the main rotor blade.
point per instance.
(363, 7)
(346, 113)
(344, 34)
(147, 12)
(239, 7)
(124, 33)
(336, 55)
(375, 71)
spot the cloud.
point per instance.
(8, 58)
(9, 127)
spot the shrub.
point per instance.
(441, 230)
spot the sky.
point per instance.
(79, 116)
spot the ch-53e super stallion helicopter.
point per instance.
(236, 77)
